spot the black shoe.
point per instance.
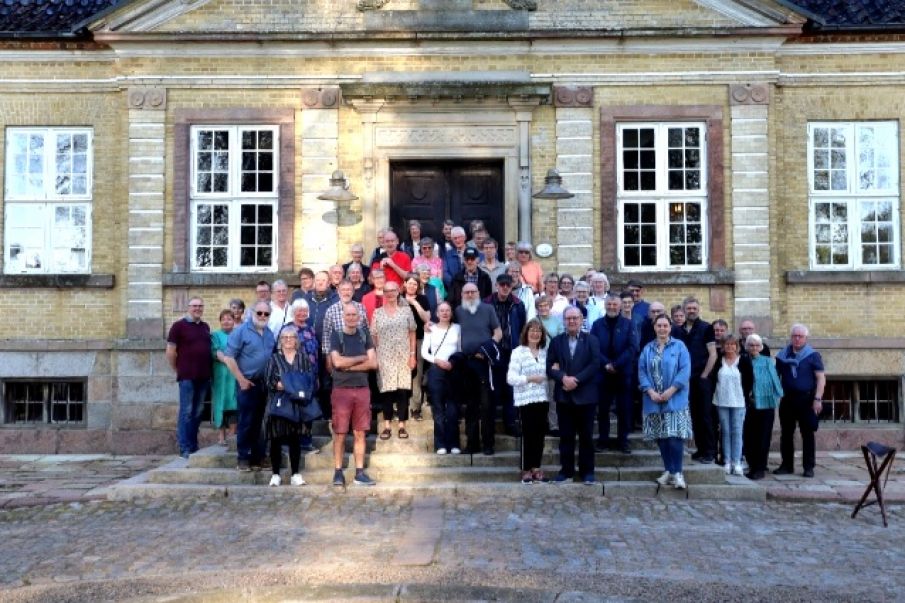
(488, 452)
(705, 460)
(808, 473)
(696, 455)
(781, 470)
(417, 415)
(755, 475)
(626, 449)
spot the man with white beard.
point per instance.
(478, 323)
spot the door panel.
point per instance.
(433, 191)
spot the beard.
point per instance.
(471, 305)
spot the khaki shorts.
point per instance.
(351, 407)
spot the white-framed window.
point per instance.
(234, 194)
(661, 196)
(47, 200)
(853, 183)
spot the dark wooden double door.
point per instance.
(434, 191)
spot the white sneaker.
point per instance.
(275, 480)
(728, 468)
(297, 480)
(737, 469)
(665, 479)
(679, 481)
(455, 451)
(441, 451)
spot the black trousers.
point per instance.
(575, 419)
(757, 437)
(480, 403)
(615, 394)
(534, 429)
(796, 409)
(700, 404)
(399, 397)
(276, 453)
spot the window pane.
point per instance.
(648, 181)
(631, 181)
(25, 226)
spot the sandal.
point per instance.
(385, 434)
(403, 434)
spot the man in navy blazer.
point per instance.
(573, 362)
(618, 350)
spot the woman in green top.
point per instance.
(224, 407)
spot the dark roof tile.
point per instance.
(48, 16)
(856, 13)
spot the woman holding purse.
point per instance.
(280, 430)
(439, 344)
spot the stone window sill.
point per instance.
(57, 281)
(808, 277)
(222, 279)
(650, 279)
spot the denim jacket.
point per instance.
(676, 371)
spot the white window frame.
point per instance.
(853, 196)
(662, 197)
(42, 205)
(233, 197)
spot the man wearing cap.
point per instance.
(470, 273)
(512, 316)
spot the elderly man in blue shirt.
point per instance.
(247, 351)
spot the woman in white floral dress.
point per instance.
(393, 330)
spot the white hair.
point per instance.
(457, 231)
(754, 338)
(298, 305)
(799, 327)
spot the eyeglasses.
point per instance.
(263, 313)
(504, 284)
(525, 252)
(196, 305)
(573, 318)
(469, 293)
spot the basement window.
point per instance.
(57, 402)
(861, 401)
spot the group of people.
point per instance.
(447, 321)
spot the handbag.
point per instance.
(299, 386)
(283, 406)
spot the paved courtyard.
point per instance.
(524, 543)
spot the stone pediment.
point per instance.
(313, 19)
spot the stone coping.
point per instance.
(223, 279)
(810, 277)
(57, 281)
(707, 277)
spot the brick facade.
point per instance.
(756, 91)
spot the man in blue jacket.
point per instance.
(618, 349)
(511, 313)
(573, 362)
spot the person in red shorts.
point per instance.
(352, 355)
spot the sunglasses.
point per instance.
(263, 313)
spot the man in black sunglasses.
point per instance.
(247, 351)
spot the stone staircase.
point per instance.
(411, 465)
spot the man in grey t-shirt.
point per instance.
(478, 323)
(352, 355)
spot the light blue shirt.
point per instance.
(250, 349)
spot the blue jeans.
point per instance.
(443, 407)
(249, 441)
(671, 451)
(731, 422)
(191, 398)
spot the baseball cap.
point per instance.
(470, 253)
(504, 279)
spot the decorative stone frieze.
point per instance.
(749, 94)
(321, 98)
(573, 96)
(149, 99)
(364, 5)
(522, 4)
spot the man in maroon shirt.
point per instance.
(189, 353)
(395, 264)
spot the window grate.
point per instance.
(861, 401)
(44, 402)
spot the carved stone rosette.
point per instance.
(749, 94)
(321, 98)
(573, 96)
(150, 99)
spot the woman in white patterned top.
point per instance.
(528, 377)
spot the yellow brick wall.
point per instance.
(77, 313)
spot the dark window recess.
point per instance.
(861, 401)
(44, 402)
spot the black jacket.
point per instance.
(584, 365)
(484, 287)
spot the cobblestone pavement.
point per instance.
(546, 542)
(38, 479)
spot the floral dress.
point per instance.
(392, 333)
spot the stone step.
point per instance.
(400, 471)
(749, 491)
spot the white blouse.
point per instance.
(522, 365)
(729, 392)
(440, 343)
